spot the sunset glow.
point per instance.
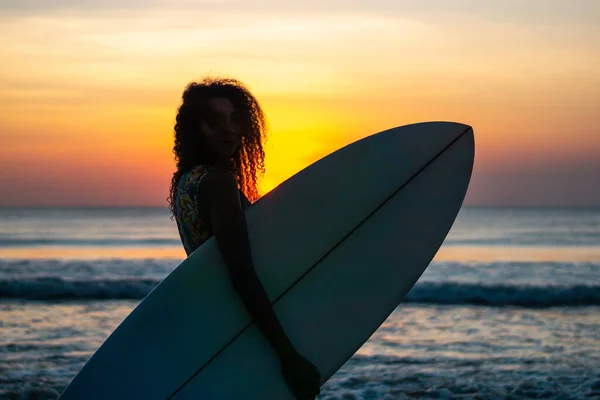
(88, 93)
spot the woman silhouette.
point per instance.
(219, 134)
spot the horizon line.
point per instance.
(165, 207)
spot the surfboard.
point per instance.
(337, 246)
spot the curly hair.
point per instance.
(190, 149)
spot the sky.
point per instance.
(89, 89)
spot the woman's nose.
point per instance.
(232, 128)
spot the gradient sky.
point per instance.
(89, 89)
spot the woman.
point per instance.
(219, 132)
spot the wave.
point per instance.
(54, 288)
(527, 239)
(582, 240)
(124, 242)
(504, 295)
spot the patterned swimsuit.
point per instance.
(193, 222)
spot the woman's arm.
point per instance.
(219, 192)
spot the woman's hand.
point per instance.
(301, 376)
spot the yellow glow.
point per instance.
(82, 253)
(92, 95)
(517, 253)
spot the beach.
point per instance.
(508, 308)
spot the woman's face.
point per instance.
(220, 126)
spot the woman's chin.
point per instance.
(227, 151)
(223, 156)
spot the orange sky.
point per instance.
(88, 92)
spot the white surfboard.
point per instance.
(337, 247)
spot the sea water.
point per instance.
(509, 307)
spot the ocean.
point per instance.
(509, 308)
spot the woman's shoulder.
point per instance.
(197, 175)
(219, 176)
(208, 178)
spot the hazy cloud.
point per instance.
(41, 6)
(534, 12)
